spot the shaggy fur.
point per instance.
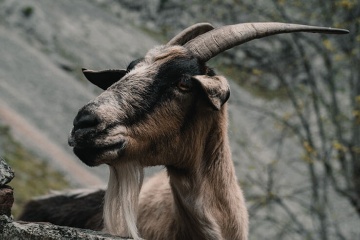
(123, 195)
(80, 208)
(169, 109)
(200, 200)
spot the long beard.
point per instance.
(122, 198)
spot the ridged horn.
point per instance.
(189, 33)
(210, 44)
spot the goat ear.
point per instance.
(103, 79)
(216, 89)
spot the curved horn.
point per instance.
(189, 33)
(208, 45)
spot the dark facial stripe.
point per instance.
(173, 70)
(161, 89)
(189, 117)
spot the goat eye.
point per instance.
(185, 84)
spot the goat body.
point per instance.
(169, 109)
(199, 197)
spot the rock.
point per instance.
(6, 200)
(6, 173)
(10, 229)
(22, 230)
(6, 192)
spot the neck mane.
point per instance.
(208, 201)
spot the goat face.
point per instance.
(147, 109)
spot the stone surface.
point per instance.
(6, 173)
(21, 230)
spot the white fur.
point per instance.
(121, 199)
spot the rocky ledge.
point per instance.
(17, 230)
(32, 231)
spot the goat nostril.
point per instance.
(85, 121)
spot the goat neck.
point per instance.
(208, 201)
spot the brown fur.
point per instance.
(198, 197)
(80, 208)
(200, 201)
(168, 109)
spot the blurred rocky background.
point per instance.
(294, 106)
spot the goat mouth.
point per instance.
(94, 156)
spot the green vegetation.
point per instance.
(33, 176)
(27, 11)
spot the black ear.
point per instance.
(216, 89)
(103, 79)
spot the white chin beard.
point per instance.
(122, 198)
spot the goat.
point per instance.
(169, 109)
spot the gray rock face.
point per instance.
(22, 230)
(6, 192)
(6, 173)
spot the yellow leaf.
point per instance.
(256, 72)
(281, 2)
(307, 159)
(348, 4)
(339, 57)
(309, 149)
(328, 45)
(356, 113)
(338, 146)
(356, 149)
(287, 116)
(357, 99)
